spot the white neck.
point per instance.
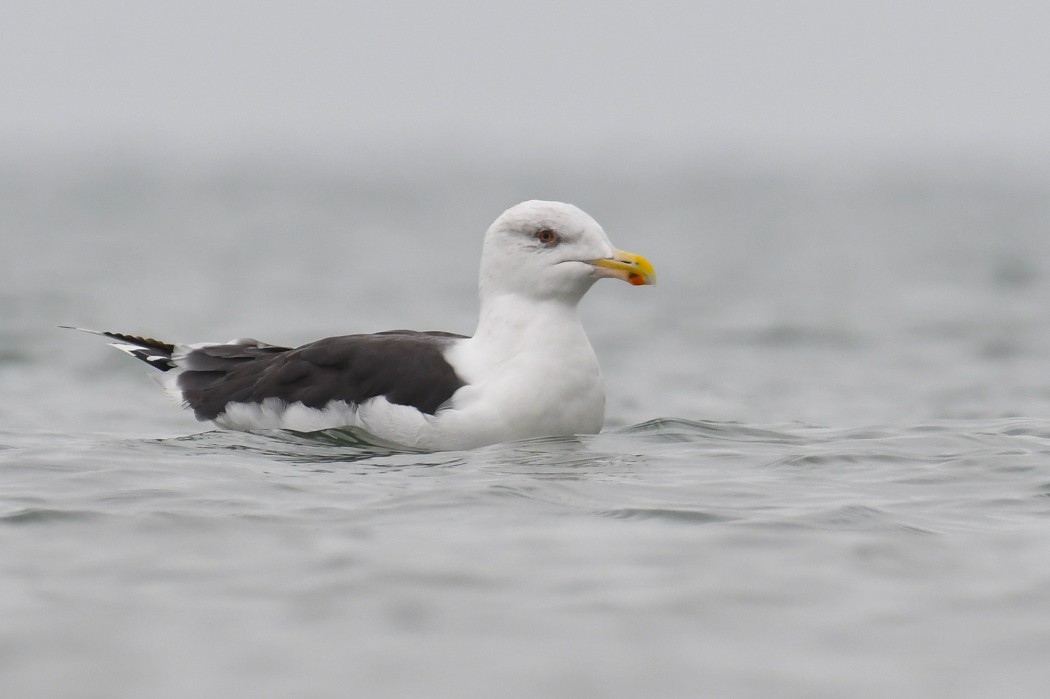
(505, 324)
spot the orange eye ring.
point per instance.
(548, 237)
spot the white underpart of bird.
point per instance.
(528, 371)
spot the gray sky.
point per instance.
(527, 77)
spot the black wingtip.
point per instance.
(146, 342)
(137, 340)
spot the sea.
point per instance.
(825, 469)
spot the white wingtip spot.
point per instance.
(127, 349)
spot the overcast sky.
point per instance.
(821, 76)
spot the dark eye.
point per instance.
(548, 237)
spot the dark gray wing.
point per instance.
(404, 366)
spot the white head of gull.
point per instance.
(528, 370)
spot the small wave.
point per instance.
(41, 515)
(849, 518)
(323, 446)
(667, 514)
(681, 429)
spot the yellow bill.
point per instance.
(633, 269)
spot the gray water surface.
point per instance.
(825, 473)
